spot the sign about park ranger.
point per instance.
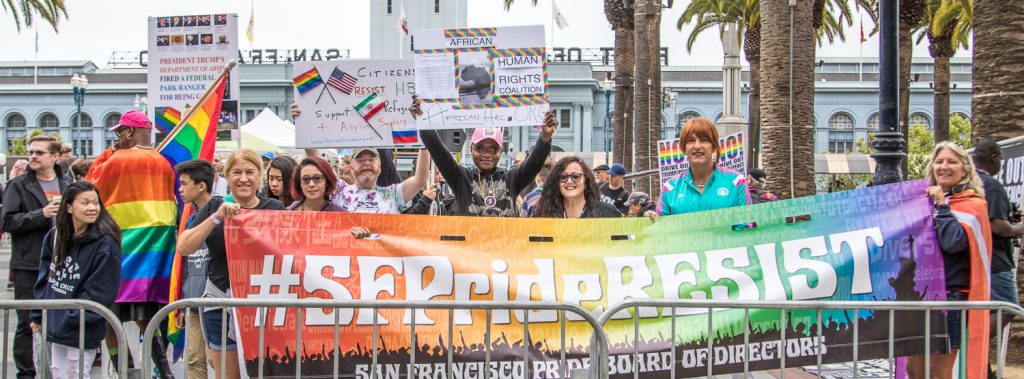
(186, 53)
(672, 161)
(350, 103)
(481, 77)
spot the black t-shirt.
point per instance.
(616, 197)
(998, 208)
(218, 266)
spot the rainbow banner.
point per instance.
(308, 80)
(868, 244)
(672, 158)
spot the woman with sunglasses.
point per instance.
(571, 191)
(312, 182)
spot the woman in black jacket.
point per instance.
(80, 259)
(572, 192)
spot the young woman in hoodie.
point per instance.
(80, 259)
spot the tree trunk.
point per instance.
(648, 145)
(906, 41)
(622, 118)
(754, 105)
(788, 122)
(998, 104)
(642, 89)
(940, 107)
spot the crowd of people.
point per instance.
(105, 219)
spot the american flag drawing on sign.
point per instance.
(342, 81)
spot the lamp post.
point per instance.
(889, 142)
(78, 85)
(141, 103)
(608, 86)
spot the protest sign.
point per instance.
(481, 77)
(672, 159)
(186, 53)
(875, 243)
(353, 103)
(1012, 173)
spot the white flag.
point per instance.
(558, 16)
(403, 24)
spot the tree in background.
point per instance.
(18, 146)
(25, 12)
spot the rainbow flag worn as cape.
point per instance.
(971, 211)
(195, 140)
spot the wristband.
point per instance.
(216, 221)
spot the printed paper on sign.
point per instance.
(672, 161)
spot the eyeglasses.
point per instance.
(565, 178)
(315, 179)
(486, 149)
(38, 153)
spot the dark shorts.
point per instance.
(142, 311)
(953, 327)
(1004, 287)
(212, 322)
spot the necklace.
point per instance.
(489, 200)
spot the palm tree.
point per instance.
(792, 147)
(912, 14)
(621, 18)
(996, 107)
(25, 12)
(948, 29)
(647, 92)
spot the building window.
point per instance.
(686, 116)
(840, 133)
(718, 117)
(86, 121)
(48, 120)
(15, 120)
(111, 120)
(962, 115)
(874, 122)
(249, 115)
(12, 135)
(564, 118)
(82, 141)
(389, 7)
(921, 119)
(437, 6)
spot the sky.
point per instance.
(97, 28)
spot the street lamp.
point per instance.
(608, 86)
(78, 85)
(141, 103)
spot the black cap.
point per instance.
(758, 174)
(603, 167)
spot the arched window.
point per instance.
(840, 133)
(81, 135)
(718, 117)
(16, 121)
(49, 121)
(687, 116)
(962, 115)
(109, 138)
(921, 119)
(86, 121)
(874, 122)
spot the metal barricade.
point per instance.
(6, 306)
(598, 341)
(891, 306)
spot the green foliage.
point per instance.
(921, 143)
(25, 11)
(19, 146)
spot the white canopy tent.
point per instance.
(269, 127)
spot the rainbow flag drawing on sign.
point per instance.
(195, 140)
(369, 106)
(167, 118)
(308, 80)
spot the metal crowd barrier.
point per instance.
(7, 305)
(891, 306)
(598, 342)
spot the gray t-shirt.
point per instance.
(195, 268)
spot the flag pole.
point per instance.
(202, 100)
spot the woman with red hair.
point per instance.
(312, 183)
(704, 186)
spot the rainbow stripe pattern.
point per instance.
(196, 138)
(167, 118)
(308, 80)
(470, 32)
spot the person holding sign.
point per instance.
(366, 196)
(571, 191)
(486, 190)
(704, 186)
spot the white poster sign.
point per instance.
(481, 77)
(352, 103)
(672, 157)
(186, 53)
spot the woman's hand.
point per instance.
(651, 215)
(226, 211)
(359, 232)
(937, 195)
(414, 108)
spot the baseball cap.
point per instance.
(758, 174)
(134, 119)
(638, 198)
(360, 150)
(617, 170)
(481, 134)
(603, 167)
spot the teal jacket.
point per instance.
(725, 188)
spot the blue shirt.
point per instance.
(725, 188)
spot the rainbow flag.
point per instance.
(195, 140)
(167, 118)
(308, 80)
